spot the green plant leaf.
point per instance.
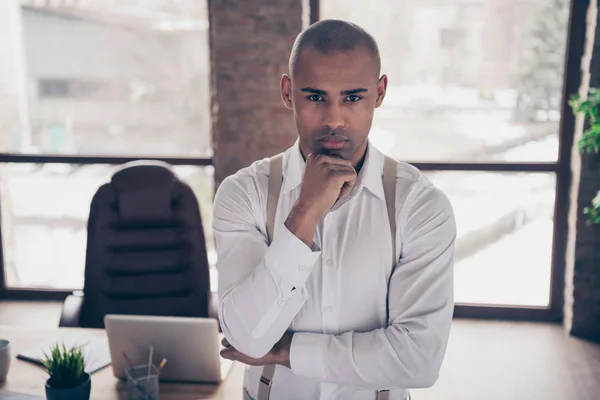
(583, 106)
(593, 213)
(65, 366)
(596, 201)
(574, 101)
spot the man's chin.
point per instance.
(339, 153)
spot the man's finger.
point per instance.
(345, 190)
(225, 343)
(347, 187)
(234, 355)
(229, 353)
(346, 174)
(340, 167)
(323, 158)
(341, 170)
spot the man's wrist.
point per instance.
(302, 223)
(283, 350)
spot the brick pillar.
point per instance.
(582, 292)
(250, 45)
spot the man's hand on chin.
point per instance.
(279, 354)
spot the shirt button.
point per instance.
(302, 267)
(329, 308)
(329, 262)
(281, 303)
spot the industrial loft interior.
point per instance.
(138, 230)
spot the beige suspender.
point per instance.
(389, 191)
(275, 180)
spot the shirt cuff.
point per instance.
(307, 355)
(290, 258)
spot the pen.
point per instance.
(128, 360)
(150, 359)
(162, 364)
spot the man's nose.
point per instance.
(333, 117)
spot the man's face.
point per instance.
(334, 97)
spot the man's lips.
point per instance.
(333, 142)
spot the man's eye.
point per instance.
(315, 97)
(353, 98)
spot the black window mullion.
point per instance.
(90, 160)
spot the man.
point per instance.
(323, 299)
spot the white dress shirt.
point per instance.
(345, 345)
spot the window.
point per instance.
(468, 80)
(92, 84)
(504, 235)
(45, 209)
(475, 99)
(113, 78)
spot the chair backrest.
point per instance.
(146, 252)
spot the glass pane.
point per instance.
(468, 80)
(505, 231)
(45, 208)
(111, 77)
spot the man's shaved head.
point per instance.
(334, 36)
(334, 87)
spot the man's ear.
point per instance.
(381, 89)
(286, 90)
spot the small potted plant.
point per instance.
(67, 377)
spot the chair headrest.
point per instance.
(144, 190)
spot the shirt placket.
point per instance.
(329, 306)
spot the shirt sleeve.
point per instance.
(409, 352)
(261, 287)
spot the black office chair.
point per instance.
(146, 252)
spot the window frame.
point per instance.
(58, 294)
(562, 169)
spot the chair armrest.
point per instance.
(71, 310)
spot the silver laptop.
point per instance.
(190, 345)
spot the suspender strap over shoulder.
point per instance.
(389, 190)
(264, 386)
(275, 181)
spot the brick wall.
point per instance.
(250, 45)
(582, 296)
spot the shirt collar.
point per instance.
(371, 173)
(369, 177)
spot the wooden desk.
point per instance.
(26, 377)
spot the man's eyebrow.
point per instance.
(343, 92)
(313, 91)
(353, 91)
